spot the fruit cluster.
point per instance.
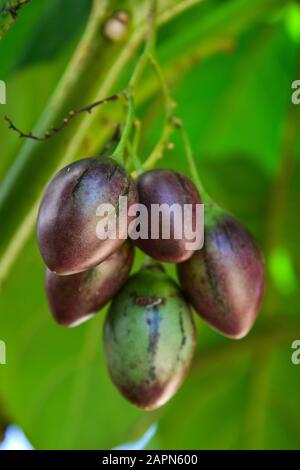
(149, 332)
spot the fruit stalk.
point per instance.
(135, 77)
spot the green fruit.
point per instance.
(149, 339)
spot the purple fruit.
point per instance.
(149, 339)
(68, 218)
(224, 281)
(74, 299)
(167, 187)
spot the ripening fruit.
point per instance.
(167, 187)
(149, 339)
(74, 299)
(68, 217)
(224, 281)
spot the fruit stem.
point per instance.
(133, 148)
(149, 46)
(172, 122)
(137, 72)
(157, 152)
(192, 164)
(120, 149)
(168, 128)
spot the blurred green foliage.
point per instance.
(230, 65)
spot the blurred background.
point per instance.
(230, 65)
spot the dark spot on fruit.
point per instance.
(183, 336)
(228, 236)
(79, 180)
(148, 301)
(153, 331)
(183, 183)
(152, 373)
(112, 172)
(213, 282)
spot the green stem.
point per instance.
(192, 164)
(158, 151)
(172, 122)
(134, 148)
(121, 147)
(135, 77)
(149, 47)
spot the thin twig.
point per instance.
(12, 11)
(55, 130)
(14, 8)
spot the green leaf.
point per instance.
(41, 31)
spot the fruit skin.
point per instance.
(67, 220)
(166, 186)
(224, 281)
(74, 299)
(149, 338)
